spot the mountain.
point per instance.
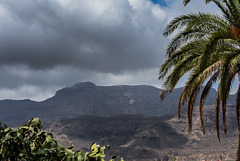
(136, 137)
(88, 99)
(131, 119)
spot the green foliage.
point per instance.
(207, 49)
(174, 158)
(29, 142)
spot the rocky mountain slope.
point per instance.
(139, 138)
(131, 136)
(89, 99)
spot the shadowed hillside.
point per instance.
(147, 138)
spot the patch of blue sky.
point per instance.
(160, 2)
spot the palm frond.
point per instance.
(233, 6)
(228, 72)
(225, 9)
(185, 51)
(217, 107)
(212, 47)
(204, 94)
(185, 2)
(180, 69)
(200, 21)
(207, 47)
(190, 105)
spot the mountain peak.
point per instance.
(82, 84)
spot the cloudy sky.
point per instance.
(46, 45)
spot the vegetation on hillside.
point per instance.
(29, 142)
(207, 49)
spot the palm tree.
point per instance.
(207, 48)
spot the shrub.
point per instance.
(29, 142)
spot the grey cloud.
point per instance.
(49, 44)
(113, 37)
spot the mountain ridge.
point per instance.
(88, 99)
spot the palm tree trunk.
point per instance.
(238, 121)
(238, 149)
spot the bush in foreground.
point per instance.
(29, 142)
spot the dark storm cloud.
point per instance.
(46, 45)
(101, 36)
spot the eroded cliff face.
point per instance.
(146, 138)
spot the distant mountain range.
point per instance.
(88, 99)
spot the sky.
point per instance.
(46, 45)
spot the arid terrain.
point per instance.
(136, 137)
